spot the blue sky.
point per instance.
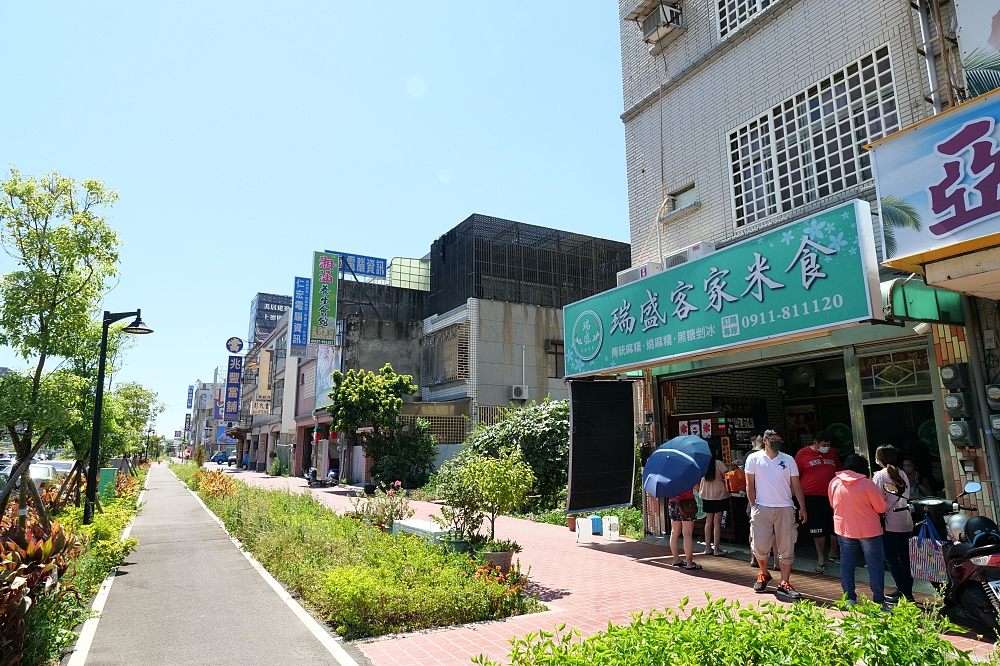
(243, 136)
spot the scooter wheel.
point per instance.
(978, 607)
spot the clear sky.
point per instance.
(244, 135)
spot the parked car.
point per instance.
(43, 475)
(220, 457)
(62, 466)
(231, 460)
(246, 461)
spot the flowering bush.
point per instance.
(126, 486)
(215, 483)
(384, 507)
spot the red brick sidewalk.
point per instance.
(585, 586)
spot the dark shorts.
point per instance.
(674, 512)
(715, 506)
(820, 523)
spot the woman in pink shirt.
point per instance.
(857, 503)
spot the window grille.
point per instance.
(447, 429)
(445, 355)
(490, 415)
(309, 387)
(556, 358)
(812, 144)
(895, 374)
(734, 14)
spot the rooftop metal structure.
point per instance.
(497, 259)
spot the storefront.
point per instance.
(787, 330)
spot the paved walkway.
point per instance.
(188, 596)
(585, 586)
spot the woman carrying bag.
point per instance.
(714, 502)
(857, 507)
(895, 490)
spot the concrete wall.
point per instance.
(714, 86)
(371, 343)
(390, 303)
(502, 329)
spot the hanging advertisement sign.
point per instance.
(260, 407)
(221, 437)
(323, 308)
(234, 372)
(795, 281)
(187, 424)
(300, 316)
(190, 401)
(328, 359)
(361, 266)
(177, 434)
(264, 375)
(979, 37)
(937, 183)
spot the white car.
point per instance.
(43, 475)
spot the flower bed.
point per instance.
(363, 581)
(727, 634)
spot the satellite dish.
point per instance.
(804, 374)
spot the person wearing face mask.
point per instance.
(817, 465)
(918, 487)
(772, 480)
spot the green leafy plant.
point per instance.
(405, 453)
(198, 456)
(275, 468)
(500, 483)
(383, 508)
(541, 432)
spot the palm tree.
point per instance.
(897, 214)
(982, 71)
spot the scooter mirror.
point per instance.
(972, 487)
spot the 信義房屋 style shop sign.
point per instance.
(818, 273)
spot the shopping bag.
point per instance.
(736, 481)
(927, 555)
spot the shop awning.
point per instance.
(910, 298)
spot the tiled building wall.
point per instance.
(969, 464)
(714, 86)
(694, 394)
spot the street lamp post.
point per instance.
(135, 328)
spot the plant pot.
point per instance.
(501, 560)
(456, 545)
(571, 521)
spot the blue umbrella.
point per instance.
(676, 467)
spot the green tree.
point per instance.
(365, 398)
(65, 254)
(404, 454)
(501, 483)
(541, 432)
(136, 409)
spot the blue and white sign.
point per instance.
(360, 265)
(234, 372)
(234, 345)
(938, 182)
(300, 316)
(190, 396)
(221, 437)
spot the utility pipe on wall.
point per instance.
(973, 339)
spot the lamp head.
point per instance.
(137, 327)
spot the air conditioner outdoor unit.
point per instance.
(518, 392)
(696, 251)
(638, 272)
(660, 22)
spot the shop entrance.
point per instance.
(908, 426)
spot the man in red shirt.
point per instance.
(817, 464)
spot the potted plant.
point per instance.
(382, 509)
(497, 553)
(461, 514)
(571, 522)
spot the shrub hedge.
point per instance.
(363, 581)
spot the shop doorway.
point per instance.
(911, 428)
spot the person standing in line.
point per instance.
(918, 486)
(714, 502)
(857, 504)
(772, 480)
(758, 445)
(895, 491)
(817, 464)
(682, 524)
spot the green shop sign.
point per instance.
(814, 274)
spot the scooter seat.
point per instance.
(959, 550)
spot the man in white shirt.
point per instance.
(772, 479)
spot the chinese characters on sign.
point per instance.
(300, 316)
(323, 311)
(187, 425)
(970, 156)
(234, 371)
(688, 310)
(361, 266)
(190, 396)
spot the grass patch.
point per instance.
(727, 634)
(361, 580)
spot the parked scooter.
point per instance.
(313, 480)
(971, 553)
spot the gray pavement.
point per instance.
(188, 596)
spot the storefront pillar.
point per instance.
(854, 396)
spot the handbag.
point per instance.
(736, 481)
(927, 555)
(688, 507)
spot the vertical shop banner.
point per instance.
(937, 184)
(300, 316)
(812, 275)
(190, 401)
(323, 309)
(328, 359)
(234, 374)
(187, 425)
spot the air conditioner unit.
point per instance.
(696, 251)
(660, 22)
(518, 392)
(638, 272)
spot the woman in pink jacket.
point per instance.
(857, 503)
